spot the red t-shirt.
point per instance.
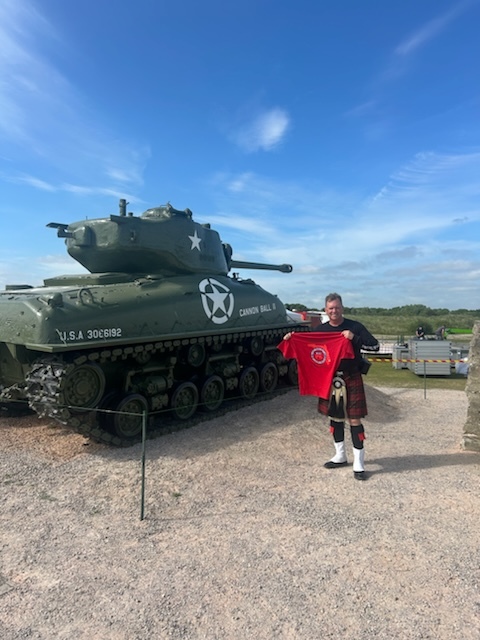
(318, 355)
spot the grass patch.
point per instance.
(459, 331)
(405, 325)
(382, 374)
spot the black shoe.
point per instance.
(334, 465)
(359, 475)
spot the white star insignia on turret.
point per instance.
(195, 241)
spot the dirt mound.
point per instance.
(382, 406)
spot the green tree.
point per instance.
(296, 306)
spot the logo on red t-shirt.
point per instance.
(319, 355)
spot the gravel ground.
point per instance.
(245, 534)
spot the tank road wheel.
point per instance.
(292, 373)
(212, 393)
(256, 346)
(249, 383)
(83, 386)
(184, 400)
(268, 377)
(196, 355)
(128, 422)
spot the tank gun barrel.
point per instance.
(239, 264)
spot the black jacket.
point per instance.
(362, 339)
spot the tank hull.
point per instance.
(104, 342)
(65, 318)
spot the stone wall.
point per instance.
(471, 431)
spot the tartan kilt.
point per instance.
(356, 400)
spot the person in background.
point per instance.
(348, 378)
(420, 333)
(440, 333)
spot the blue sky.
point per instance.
(340, 136)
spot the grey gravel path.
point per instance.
(245, 534)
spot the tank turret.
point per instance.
(162, 240)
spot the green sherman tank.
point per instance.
(156, 325)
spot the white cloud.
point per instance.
(396, 245)
(374, 110)
(430, 30)
(264, 132)
(32, 182)
(44, 116)
(66, 187)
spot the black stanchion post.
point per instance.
(424, 379)
(144, 438)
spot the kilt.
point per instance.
(356, 400)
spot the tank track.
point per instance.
(47, 380)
